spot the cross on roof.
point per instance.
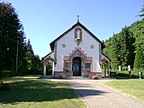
(78, 18)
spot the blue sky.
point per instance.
(45, 20)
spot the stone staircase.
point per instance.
(78, 77)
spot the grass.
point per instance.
(125, 74)
(133, 87)
(27, 92)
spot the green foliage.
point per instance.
(32, 63)
(139, 62)
(13, 44)
(139, 45)
(115, 52)
(142, 12)
(127, 47)
(4, 73)
(29, 55)
(120, 48)
(49, 68)
(11, 36)
(36, 65)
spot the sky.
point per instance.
(45, 20)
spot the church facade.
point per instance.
(77, 52)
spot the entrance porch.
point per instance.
(77, 64)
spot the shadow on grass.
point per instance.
(36, 91)
(88, 92)
(40, 90)
(123, 76)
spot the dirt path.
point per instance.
(98, 96)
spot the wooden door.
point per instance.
(76, 67)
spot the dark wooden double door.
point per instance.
(76, 66)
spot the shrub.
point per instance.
(5, 73)
(95, 77)
(59, 77)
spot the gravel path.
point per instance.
(97, 95)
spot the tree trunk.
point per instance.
(5, 86)
(2, 83)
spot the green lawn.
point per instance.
(132, 87)
(30, 93)
(125, 74)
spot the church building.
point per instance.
(77, 52)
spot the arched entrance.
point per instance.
(48, 64)
(76, 66)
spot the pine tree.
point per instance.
(29, 55)
(139, 62)
(142, 12)
(11, 37)
(13, 46)
(139, 46)
(120, 48)
(36, 65)
(127, 47)
(126, 52)
(115, 52)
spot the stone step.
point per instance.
(78, 77)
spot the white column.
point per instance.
(129, 68)
(119, 68)
(44, 70)
(109, 70)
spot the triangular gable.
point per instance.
(77, 24)
(105, 57)
(49, 56)
(78, 52)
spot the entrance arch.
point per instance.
(49, 58)
(76, 66)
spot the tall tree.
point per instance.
(29, 47)
(32, 63)
(36, 65)
(139, 46)
(11, 37)
(139, 58)
(15, 52)
(120, 48)
(115, 52)
(127, 47)
(142, 12)
(29, 55)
